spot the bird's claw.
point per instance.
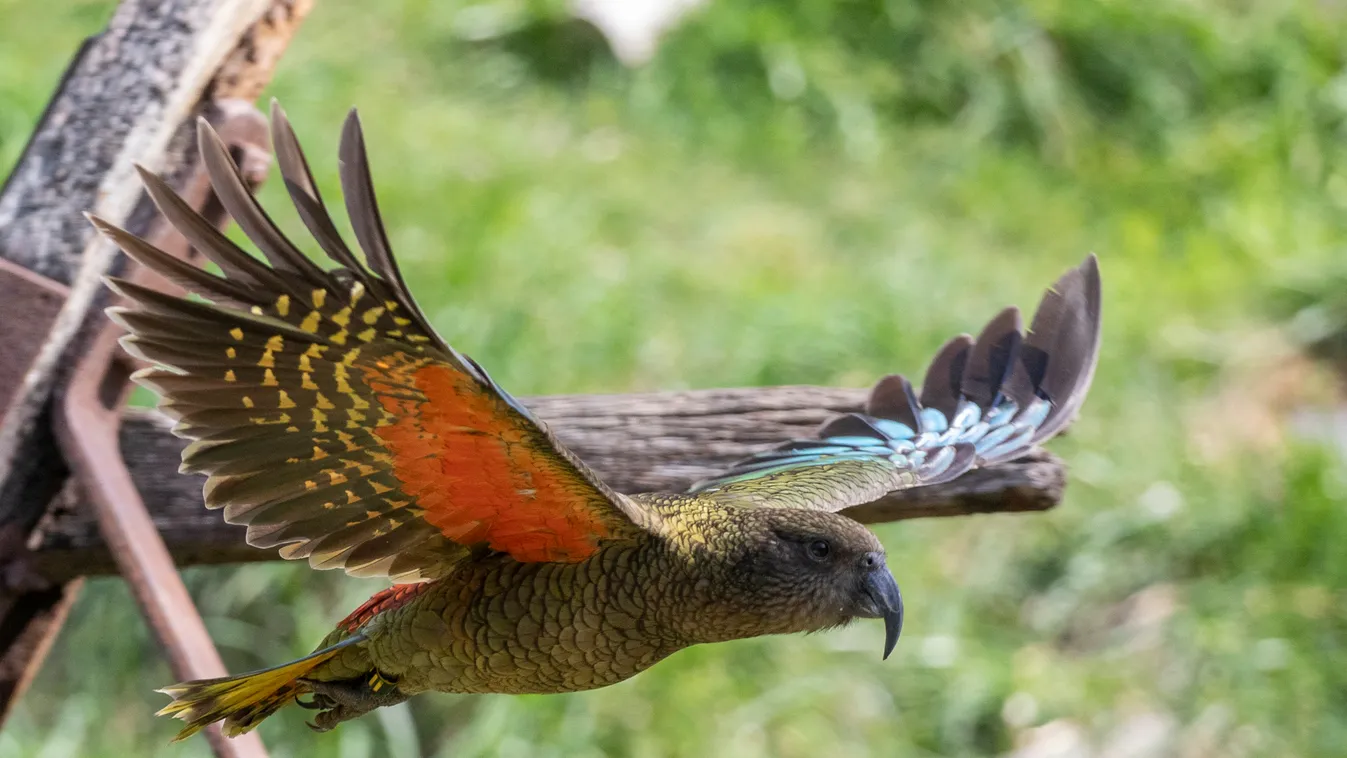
(316, 703)
(327, 720)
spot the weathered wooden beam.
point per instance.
(130, 96)
(637, 443)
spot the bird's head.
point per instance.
(811, 570)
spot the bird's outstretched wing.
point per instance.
(329, 416)
(983, 401)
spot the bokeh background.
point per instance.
(822, 191)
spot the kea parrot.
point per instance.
(340, 428)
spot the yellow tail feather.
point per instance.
(243, 701)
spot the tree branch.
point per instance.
(637, 443)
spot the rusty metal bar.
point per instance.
(29, 304)
(87, 422)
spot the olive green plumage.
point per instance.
(334, 422)
(500, 625)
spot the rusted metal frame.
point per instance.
(88, 417)
(29, 305)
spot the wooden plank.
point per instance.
(637, 443)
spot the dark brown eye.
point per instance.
(819, 550)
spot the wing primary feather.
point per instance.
(994, 354)
(363, 210)
(248, 214)
(850, 425)
(304, 193)
(153, 302)
(219, 249)
(191, 278)
(361, 205)
(1063, 343)
(893, 398)
(940, 389)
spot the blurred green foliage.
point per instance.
(822, 191)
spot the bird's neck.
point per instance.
(696, 582)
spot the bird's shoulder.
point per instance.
(697, 522)
(678, 506)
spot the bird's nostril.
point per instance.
(870, 560)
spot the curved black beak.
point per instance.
(882, 591)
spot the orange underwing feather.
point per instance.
(477, 471)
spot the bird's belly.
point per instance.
(522, 628)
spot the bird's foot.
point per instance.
(345, 699)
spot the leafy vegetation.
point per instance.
(815, 191)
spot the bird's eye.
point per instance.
(820, 550)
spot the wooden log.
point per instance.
(130, 96)
(637, 443)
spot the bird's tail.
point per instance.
(243, 701)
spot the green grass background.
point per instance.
(822, 191)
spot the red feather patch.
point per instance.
(481, 472)
(385, 600)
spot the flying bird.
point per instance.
(333, 422)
